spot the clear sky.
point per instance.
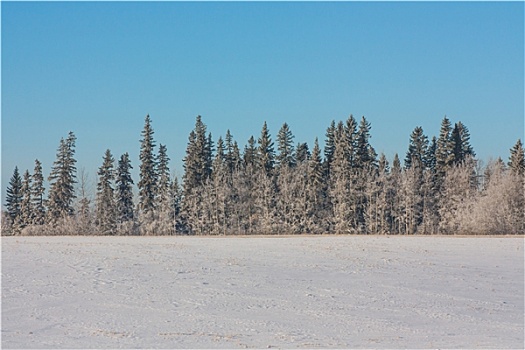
(97, 69)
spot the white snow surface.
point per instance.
(263, 292)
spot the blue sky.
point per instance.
(97, 69)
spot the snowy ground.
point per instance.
(288, 292)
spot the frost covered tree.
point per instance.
(84, 210)
(148, 174)
(461, 148)
(124, 191)
(62, 181)
(250, 153)
(163, 180)
(26, 205)
(329, 148)
(14, 196)
(197, 170)
(317, 208)
(417, 149)
(265, 151)
(302, 153)
(517, 159)
(444, 148)
(105, 201)
(37, 193)
(285, 147)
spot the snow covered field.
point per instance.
(263, 292)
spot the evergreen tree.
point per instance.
(124, 190)
(329, 148)
(163, 178)
(460, 139)
(148, 174)
(444, 148)
(417, 149)
(317, 211)
(364, 153)
(351, 136)
(62, 180)
(14, 196)
(265, 152)
(286, 156)
(430, 158)
(197, 170)
(197, 163)
(250, 153)
(26, 206)
(106, 213)
(37, 193)
(84, 215)
(302, 153)
(517, 159)
(232, 153)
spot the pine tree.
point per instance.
(62, 180)
(26, 206)
(37, 193)
(124, 190)
(14, 196)
(106, 213)
(148, 174)
(517, 159)
(265, 152)
(285, 156)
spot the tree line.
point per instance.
(286, 188)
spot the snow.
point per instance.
(263, 292)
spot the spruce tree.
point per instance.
(317, 210)
(250, 154)
(163, 173)
(365, 156)
(197, 163)
(265, 151)
(26, 205)
(84, 215)
(148, 174)
(444, 148)
(62, 180)
(124, 190)
(417, 149)
(329, 148)
(14, 196)
(517, 159)
(302, 153)
(461, 148)
(106, 213)
(351, 138)
(285, 147)
(37, 193)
